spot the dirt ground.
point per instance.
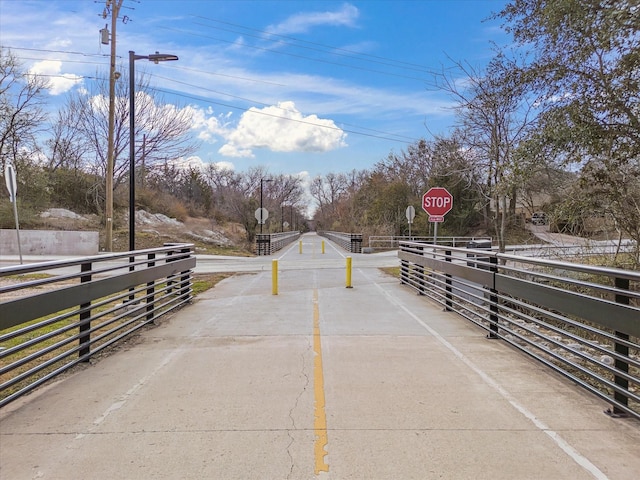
(152, 231)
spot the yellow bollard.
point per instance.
(349, 273)
(300, 246)
(274, 277)
(323, 247)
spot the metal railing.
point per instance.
(393, 242)
(351, 242)
(54, 315)
(581, 320)
(269, 243)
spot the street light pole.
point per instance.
(155, 58)
(262, 180)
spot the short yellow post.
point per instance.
(323, 247)
(349, 273)
(274, 277)
(300, 246)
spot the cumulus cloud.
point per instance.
(197, 163)
(58, 82)
(209, 125)
(281, 128)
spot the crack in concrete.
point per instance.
(295, 406)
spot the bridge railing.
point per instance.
(393, 242)
(270, 243)
(54, 315)
(351, 242)
(581, 320)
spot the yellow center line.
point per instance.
(320, 422)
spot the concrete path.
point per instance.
(317, 382)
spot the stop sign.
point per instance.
(437, 202)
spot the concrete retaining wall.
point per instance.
(49, 242)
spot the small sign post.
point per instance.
(411, 214)
(12, 186)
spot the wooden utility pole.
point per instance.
(114, 7)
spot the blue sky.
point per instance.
(298, 87)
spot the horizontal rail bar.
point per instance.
(581, 320)
(49, 324)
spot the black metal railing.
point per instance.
(351, 242)
(581, 320)
(54, 315)
(270, 243)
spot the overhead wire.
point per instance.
(385, 135)
(294, 55)
(379, 134)
(325, 48)
(348, 54)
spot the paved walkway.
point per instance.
(317, 382)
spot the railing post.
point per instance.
(420, 273)
(493, 300)
(621, 349)
(447, 281)
(185, 279)
(404, 269)
(263, 241)
(356, 243)
(84, 339)
(132, 260)
(151, 290)
(170, 277)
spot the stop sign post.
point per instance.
(437, 202)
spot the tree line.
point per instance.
(553, 116)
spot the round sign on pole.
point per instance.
(437, 202)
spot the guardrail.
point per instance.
(54, 315)
(393, 242)
(269, 243)
(351, 242)
(583, 321)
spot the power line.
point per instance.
(377, 133)
(265, 35)
(55, 51)
(355, 67)
(260, 112)
(401, 138)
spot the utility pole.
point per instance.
(114, 6)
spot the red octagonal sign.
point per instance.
(437, 202)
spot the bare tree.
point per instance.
(494, 117)
(21, 108)
(162, 129)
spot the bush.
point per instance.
(159, 202)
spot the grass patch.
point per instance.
(203, 282)
(393, 271)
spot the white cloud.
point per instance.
(209, 125)
(58, 82)
(303, 22)
(282, 128)
(197, 163)
(223, 165)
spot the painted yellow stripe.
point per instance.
(320, 422)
